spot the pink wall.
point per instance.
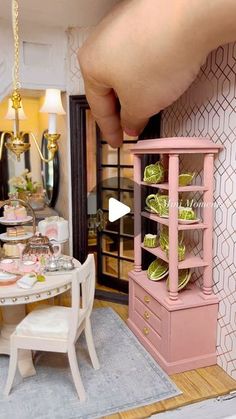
(208, 108)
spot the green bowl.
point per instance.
(150, 240)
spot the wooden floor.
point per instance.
(196, 385)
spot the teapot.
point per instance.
(39, 246)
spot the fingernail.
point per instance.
(131, 132)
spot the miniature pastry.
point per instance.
(20, 231)
(15, 231)
(12, 213)
(11, 232)
(20, 213)
(9, 212)
(11, 250)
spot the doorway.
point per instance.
(115, 239)
(100, 172)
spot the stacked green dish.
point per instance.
(157, 270)
(181, 252)
(164, 242)
(184, 277)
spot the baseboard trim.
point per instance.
(114, 297)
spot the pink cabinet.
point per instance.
(177, 328)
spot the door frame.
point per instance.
(78, 105)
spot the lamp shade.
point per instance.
(11, 111)
(52, 102)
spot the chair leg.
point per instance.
(12, 368)
(90, 344)
(75, 373)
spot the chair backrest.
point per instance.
(83, 285)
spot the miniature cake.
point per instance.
(9, 212)
(15, 231)
(20, 212)
(11, 250)
(55, 228)
(12, 213)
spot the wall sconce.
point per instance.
(15, 140)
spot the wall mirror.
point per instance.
(10, 167)
(50, 174)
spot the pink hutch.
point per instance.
(177, 328)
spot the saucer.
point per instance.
(7, 278)
(182, 221)
(150, 210)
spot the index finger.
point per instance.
(105, 109)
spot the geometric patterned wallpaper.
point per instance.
(208, 108)
(75, 39)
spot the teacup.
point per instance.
(186, 213)
(8, 265)
(158, 204)
(28, 265)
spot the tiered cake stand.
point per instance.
(30, 218)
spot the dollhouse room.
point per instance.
(117, 262)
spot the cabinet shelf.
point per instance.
(155, 217)
(165, 186)
(165, 221)
(190, 261)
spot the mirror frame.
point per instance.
(4, 170)
(50, 200)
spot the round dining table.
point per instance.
(13, 300)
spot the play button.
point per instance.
(116, 209)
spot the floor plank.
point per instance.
(217, 408)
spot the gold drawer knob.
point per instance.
(146, 299)
(145, 331)
(146, 315)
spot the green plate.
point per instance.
(184, 277)
(158, 269)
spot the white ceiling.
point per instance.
(60, 13)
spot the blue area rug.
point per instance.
(128, 378)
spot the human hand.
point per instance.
(145, 54)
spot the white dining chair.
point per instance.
(57, 329)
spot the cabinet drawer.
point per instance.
(149, 317)
(147, 331)
(147, 300)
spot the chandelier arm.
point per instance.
(40, 152)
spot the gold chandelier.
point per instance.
(15, 141)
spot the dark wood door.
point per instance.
(115, 251)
